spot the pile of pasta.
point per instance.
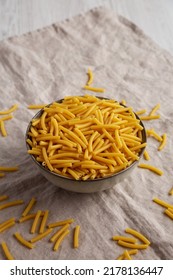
(39, 227)
(85, 137)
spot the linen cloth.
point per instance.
(50, 63)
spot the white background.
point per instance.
(155, 17)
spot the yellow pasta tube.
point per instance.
(44, 152)
(3, 130)
(12, 109)
(9, 169)
(43, 222)
(7, 226)
(3, 197)
(152, 132)
(162, 203)
(131, 245)
(151, 168)
(11, 203)
(29, 207)
(126, 255)
(60, 239)
(36, 106)
(169, 213)
(94, 89)
(141, 112)
(60, 223)
(26, 218)
(148, 118)
(153, 111)
(6, 118)
(23, 241)
(163, 143)
(41, 235)
(59, 232)
(90, 77)
(138, 235)
(124, 238)
(76, 237)
(35, 222)
(7, 251)
(146, 155)
(170, 191)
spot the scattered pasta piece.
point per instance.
(138, 235)
(43, 222)
(94, 89)
(171, 191)
(169, 213)
(153, 111)
(123, 102)
(59, 232)
(131, 245)
(152, 132)
(141, 112)
(146, 155)
(11, 203)
(7, 226)
(163, 143)
(3, 130)
(148, 118)
(41, 235)
(126, 255)
(9, 169)
(29, 207)
(60, 223)
(162, 203)
(151, 168)
(34, 106)
(76, 237)
(29, 217)
(124, 238)
(12, 109)
(6, 118)
(35, 222)
(6, 251)
(3, 197)
(60, 239)
(130, 252)
(7, 222)
(90, 77)
(23, 241)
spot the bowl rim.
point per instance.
(39, 113)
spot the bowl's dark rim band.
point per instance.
(39, 113)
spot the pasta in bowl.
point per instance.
(85, 143)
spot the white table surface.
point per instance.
(155, 17)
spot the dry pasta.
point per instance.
(163, 143)
(151, 168)
(7, 226)
(60, 239)
(6, 251)
(94, 89)
(35, 106)
(124, 238)
(41, 235)
(76, 237)
(29, 207)
(68, 136)
(3, 130)
(24, 242)
(43, 222)
(162, 203)
(153, 111)
(59, 232)
(169, 213)
(90, 77)
(138, 235)
(146, 155)
(131, 245)
(11, 203)
(3, 197)
(12, 109)
(171, 191)
(60, 223)
(35, 222)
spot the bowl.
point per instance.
(88, 186)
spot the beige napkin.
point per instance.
(51, 63)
